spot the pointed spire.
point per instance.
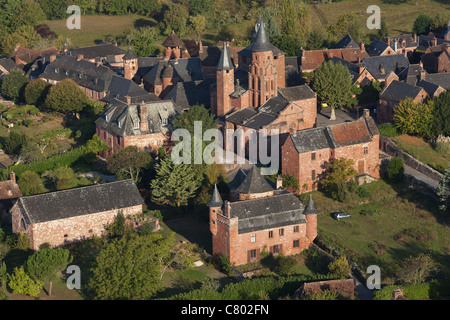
(225, 61)
(262, 42)
(254, 182)
(216, 200)
(310, 208)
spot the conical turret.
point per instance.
(225, 62)
(216, 199)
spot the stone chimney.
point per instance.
(279, 182)
(362, 47)
(52, 58)
(200, 46)
(143, 117)
(65, 48)
(80, 57)
(435, 41)
(12, 176)
(389, 41)
(366, 113)
(415, 37)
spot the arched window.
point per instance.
(23, 225)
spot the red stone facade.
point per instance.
(60, 232)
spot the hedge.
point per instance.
(428, 290)
(252, 289)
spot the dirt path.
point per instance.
(319, 15)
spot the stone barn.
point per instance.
(71, 215)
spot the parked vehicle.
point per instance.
(340, 215)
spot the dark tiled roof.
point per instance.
(376, 48)
(282, 209)
(7, 63)
(408, 39)
(130, 55)
(173, 41)
(187, 94)
(396, 63)
(254, 182)
(101, 50)
(335, 136)
(81, 201)
(186, 69)
(225, 62)
(216, 199)
(347, 42)
(302, 92)
(398, 91)
(311, 207)
(425, 42)
(429, 87)
(352, 68)
(440, 79)
(242, 116)
(122, 117)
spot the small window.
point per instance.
(270, 234)
(253, 238)
(296, 228)
(296, 244)
(281, 232)
(276, 249)
(119, 124)
(366, 150)
(66, 236)
(313, 175)
(90, 230)
(164, 121)
(253, 254)
(23, 225)
(136, 125)
(313, 156)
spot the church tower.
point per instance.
(225, 82)
(263, 80)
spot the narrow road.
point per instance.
(361, 291)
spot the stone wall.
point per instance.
(389, 146)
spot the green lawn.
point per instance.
(423, 151)
(399, 14)
(405, 223)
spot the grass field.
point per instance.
(403, 223)
(399, 14)
(423, 151)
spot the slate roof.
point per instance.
(269, 111)
(225, 62)
(101, 50)
(185, 69)
(440, 79)
(396, 63)
(335, 136)
(80, 201)
(173, 41)
(352, 68)
(121, 88)
(130, 55)
(429, 87)
(426, 41)
(7, 63)
(398, 91)
(261, 43)
(122, 117)
(347, 42)
(187, 94)
(310, 207)
(376, 48)
(254, 182)
(216, 199)
(407, 38)
(83, 73)
(282, 209)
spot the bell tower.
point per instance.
(224, 83)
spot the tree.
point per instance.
(21, 283)
(66, 97)
(128, 268)
(383, 32)
(340, 267)
(14, 143)
(175, 19)
(36, 92)
(45, 264)
(174, 184)
(54, 9)
(414, 118)
(315, 41)
(13, 85)
(65, 174)
(128, 163)
(143, 41)
(28, 12)
(200, 7)
(333, 85)
(198, 24)
(272, 29)
(145, 7)
(422, 24)
(345, 23)
(415, 270)
(396, 169)
(30, 183)
(3, 275)
(443, 191)
(441, 114)
(338, 173)
(24, 35)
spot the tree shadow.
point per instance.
(141, 23)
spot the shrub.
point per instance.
(224, 264)
(442, 145)
(396, 169)
(363, 192)
(286, 265)
(22, 242)
(388, 130)
(340, 267)
(20, 282)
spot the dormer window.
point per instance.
(164, 122)
(106, 118)
(119, 124)
(136, 125)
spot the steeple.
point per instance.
(225, 61)
(216, 200)
(310, 208)
(262, 42)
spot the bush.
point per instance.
(363, 192)
(388, 130)
(396, 169)
(20, 282)
(442, 145)
(427, 290)
(286, 265)
(224, 264)
(340, 267)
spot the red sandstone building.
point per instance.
(71, 215)
(260, 217)
(306, 153)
